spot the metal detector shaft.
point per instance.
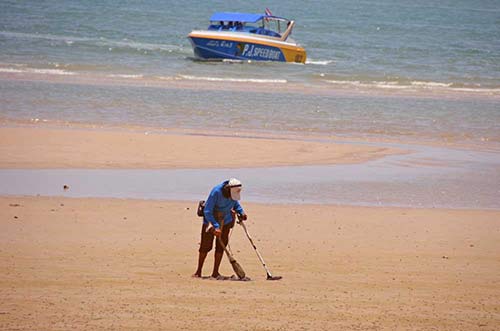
(255, 248)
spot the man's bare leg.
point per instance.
(217, 261)
(201, 260)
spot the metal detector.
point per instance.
(269, 275)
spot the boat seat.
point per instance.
(259, 31)
(273, 34)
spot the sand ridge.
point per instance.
(79, 147)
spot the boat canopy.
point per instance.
(241, 17)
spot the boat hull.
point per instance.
(244, 47)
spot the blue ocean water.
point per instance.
(450, 42)
(396, 68)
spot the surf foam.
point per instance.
(238, 80)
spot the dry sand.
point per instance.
(94, 264)
(125, 265)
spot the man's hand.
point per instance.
(217, 232)
(242, 217)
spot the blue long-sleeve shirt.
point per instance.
(217, 202)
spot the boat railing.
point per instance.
(242, 28)
(288, 30)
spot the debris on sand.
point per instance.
(230, 278)
(233, 278)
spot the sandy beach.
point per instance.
(117, 264)
(371, 172)
(33, 146)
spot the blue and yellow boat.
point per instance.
(242, 36)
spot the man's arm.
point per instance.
(239, 210)
(209, 209)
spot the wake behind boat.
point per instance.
(243, 36)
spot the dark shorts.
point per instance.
(207, 238)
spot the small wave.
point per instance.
(37, 71)
(343, 82)
(9, 64)
(52, 72)
(99, 42)
(357, 83)
(233, 61)
(470, 89)
(137, 45)
(319, 62)
(388, 85)
(12, 70)
(430, 84)
(238, 80)
(125, 76)
(67, 39)
(414, 85)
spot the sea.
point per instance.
(425, 72)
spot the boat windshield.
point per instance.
(267, 25)
(278, 25)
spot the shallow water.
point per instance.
(371, 115)
(389, 43)
(428, 177)
(444, 57)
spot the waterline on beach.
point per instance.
(429, 177)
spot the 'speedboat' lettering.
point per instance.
(262, 52)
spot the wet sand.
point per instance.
(79, 146)
(122, 264)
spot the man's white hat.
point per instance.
(235, 188)
(233, 182)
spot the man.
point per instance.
(219, 214)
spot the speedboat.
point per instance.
(243, 36)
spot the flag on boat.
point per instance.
(268, 13)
